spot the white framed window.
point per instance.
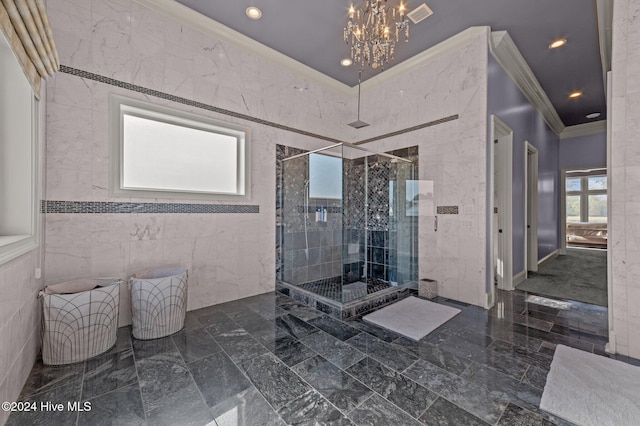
(586, 198)
(19, 189)
(162, 152)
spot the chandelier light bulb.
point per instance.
(368, 31)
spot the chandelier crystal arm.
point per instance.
(368, 32)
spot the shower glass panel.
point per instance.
(348, 222)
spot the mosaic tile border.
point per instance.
(151, 92)
(447, 209)
(162, 95)
(102, 207)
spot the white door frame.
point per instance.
(530, 208)
(503, 151)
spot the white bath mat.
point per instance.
(412, 317)
(589, 389)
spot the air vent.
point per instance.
(420, 13)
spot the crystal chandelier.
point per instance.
(373, 30)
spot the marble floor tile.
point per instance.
(341, 389)
(122, 406)
(403, 392)
(276, 382)
(267, 311)
(553, 338)
(516, 391)
(191, 322)
(532, 322)
(300, 310)
(335, 350)
(248, 320)
(184, 407)
(377, 411)
(535, 358)
(295, 326)
(509, 336)
(389, 355)
(56, 395)
(247, 408)
(483, 366)
(105, 373)
(216, 322)
(374, 330)
(334, 327)
(502, 362)
(516, 416)
(444, 413)
(218, 378)
(161, 375)
(194, 344)
(580, 334)
(473, 398)
(239, 345)
(146, 348)
(535, 377)
(462, 348)
(291, 351)
(434, 355)
(123, 340)
(311, 408)
(43, 378)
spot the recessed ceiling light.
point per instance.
(346, 62)
(575, 94)
(559, 42)
(593, 115)
(253, 12)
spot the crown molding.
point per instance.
(509, 57)
(585, 129)
(604, 13)
(208, 26)
(213, 28)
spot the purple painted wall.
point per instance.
(507, 102)
(584, 151)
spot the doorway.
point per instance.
(531, 208)
(502, 240)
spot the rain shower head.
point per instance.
(358, 124)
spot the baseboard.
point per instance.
(548, 257)
(519, 278)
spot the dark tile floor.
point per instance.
(268, 360)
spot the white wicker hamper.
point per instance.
(158, 302)
(79, 319)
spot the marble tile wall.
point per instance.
(19, 324)
(624, 178)
(452, 154)
(19, 305)
(232, 256)
(229, 255)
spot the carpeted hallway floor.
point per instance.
(579, 275)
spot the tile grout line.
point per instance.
(193, 380)
(135, 365)
(241, 370)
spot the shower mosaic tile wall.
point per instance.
(341, 246)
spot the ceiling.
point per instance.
(310, 31)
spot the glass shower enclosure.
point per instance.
(347, 222)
